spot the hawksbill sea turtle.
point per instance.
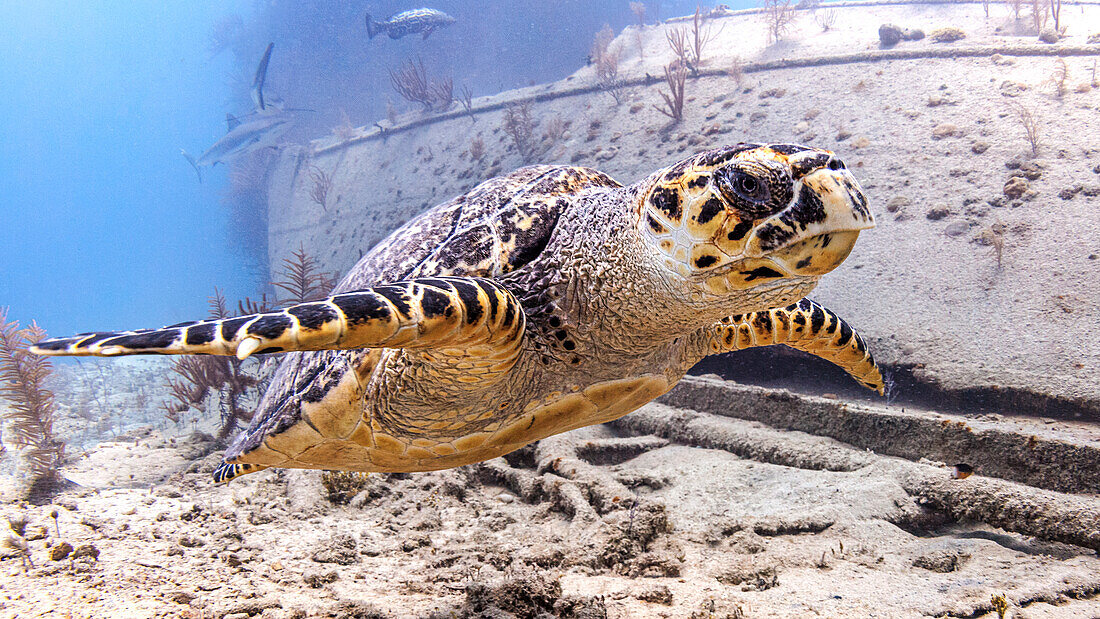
(541, 301)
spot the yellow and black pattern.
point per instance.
(227, 472)
(498, 227)
(422, 313)
(807, 326)
(723, 214)
(498, 317)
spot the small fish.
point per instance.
(962, 471)
(426, 21)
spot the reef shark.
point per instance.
(262, 128)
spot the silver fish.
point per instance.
(425, 21)
(261, 129)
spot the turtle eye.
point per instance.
(748, 187)
(754, 189)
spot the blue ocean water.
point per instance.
(105, 225)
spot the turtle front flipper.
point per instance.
(807, 326)
(472, 316)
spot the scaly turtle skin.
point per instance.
(542, 301)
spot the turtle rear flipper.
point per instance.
(227, 472)
(806, 326)
(471, 316)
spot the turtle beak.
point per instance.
(818, 230)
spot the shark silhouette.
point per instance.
(260, 129)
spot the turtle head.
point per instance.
(752, 216)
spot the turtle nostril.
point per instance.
(836, 164)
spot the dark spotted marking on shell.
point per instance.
(201, 334)
(322, 381)
(803, 263)
(477, 245)
(313, 392)
(553, 184)
(845, 334)
(528, 244)
(300, 378)
(699, 181)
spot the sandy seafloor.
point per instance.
(698, 532)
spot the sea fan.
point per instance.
(31, 406)
(199, 376)
(301, 279)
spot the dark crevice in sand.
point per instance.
(1058, 598)
(1029, 546)
(1040, 460)
(786, 368)
(1054, 516)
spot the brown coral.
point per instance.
(31, 405)
(411, 81)
(675, 77)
